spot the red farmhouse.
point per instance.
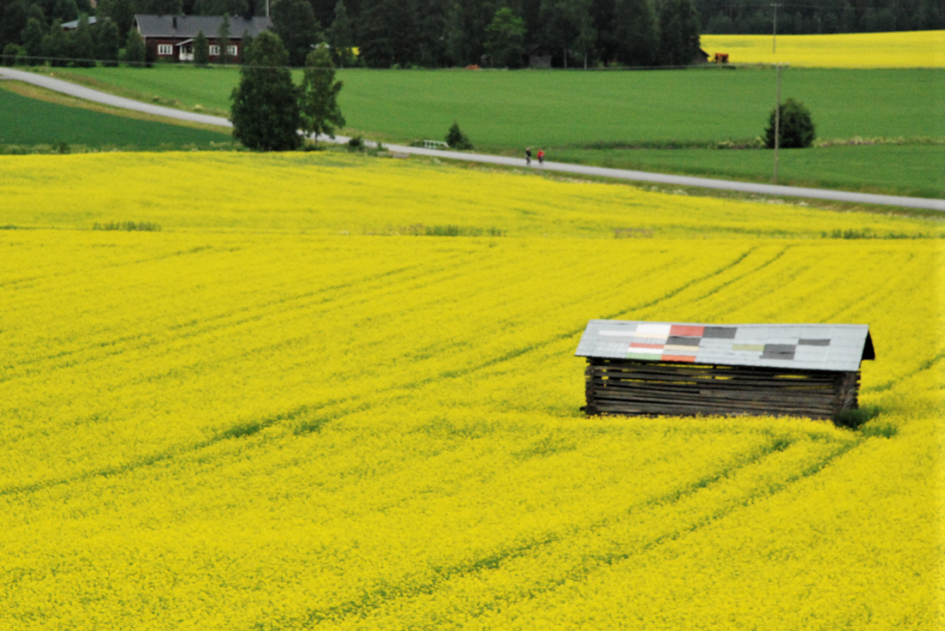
(171, 37)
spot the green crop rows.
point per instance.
(26, 122)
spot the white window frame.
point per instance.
(215, 50)
(165, 49)
(231, 50)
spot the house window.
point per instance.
(214, 50)
(165, 49)
(231, 50)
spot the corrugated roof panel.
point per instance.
(835, 347)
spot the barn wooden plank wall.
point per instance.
(628, 387)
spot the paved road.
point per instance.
(578, 169)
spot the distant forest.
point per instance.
(822, 16)
(501, 33)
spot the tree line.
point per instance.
(500, 33)
(401, 33)
(823, 16)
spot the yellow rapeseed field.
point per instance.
(341, 194)
(907, 49)
(287, 409)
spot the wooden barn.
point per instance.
(686, 369)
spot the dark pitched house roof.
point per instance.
(834, 347)
(187, 26)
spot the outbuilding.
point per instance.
(687, 369)
(537, 56)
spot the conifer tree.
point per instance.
(54, 44)
(33, 39)
(246, 43)
(341, 37)
(224, 39)
(635, 33)
(201, 49)
(82, 49)
(468, 30)
(135, 53)
(106, 47)
(121, 12)
(294, 22)
(456, 139)
(679, 33)
(13, 18)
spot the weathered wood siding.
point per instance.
(628, 387)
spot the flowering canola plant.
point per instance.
(904, 49)
(341, 194)
(251, 421)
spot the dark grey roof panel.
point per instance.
(835, 347)
(184, 26)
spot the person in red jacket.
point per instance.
(541, 156)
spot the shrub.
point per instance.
(10, 53)
(795, 129)
(128, 226)
(457, 139)
(854, 418)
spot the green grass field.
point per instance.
(502, 112)
(914, 170)
(27, 122)
(512, 109)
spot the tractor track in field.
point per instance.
(377, 597)
(336, 408)
(88, 94)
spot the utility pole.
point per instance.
(774, 37)
(777, 126)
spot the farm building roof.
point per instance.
(836, 347)
(184, 26)
(74, 24)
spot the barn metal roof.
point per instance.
(836, 347)
(184, 26)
